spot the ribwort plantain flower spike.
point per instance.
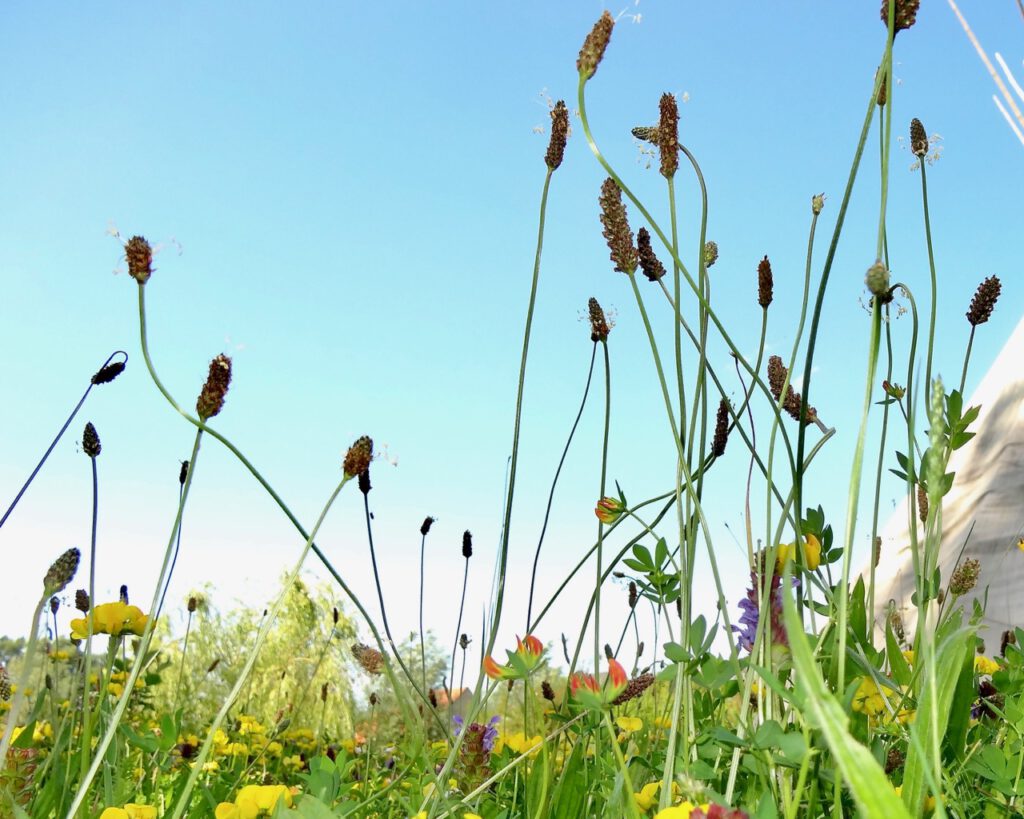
(777, 374)
(427, 523)
(599, 327)
(918, 139)
(139, 256)
(905, 14)
(369, 659)
(817, 203)
(357, 459)
(467, 544)
(91, 441)
(964, 577)
(61, 572)
(710, 253)
(108, 373)
(721, 429)
(634, 688)
(616, 228)
(594, 46)
(363, 481)
(82, 600)
(668, 135)
(559, 135)
(211, 398)
(653, 269)
(984, 301)
(765, 283)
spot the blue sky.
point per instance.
(344, 199)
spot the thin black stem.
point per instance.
(458, 628)
(60, 434)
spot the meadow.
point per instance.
(793, 701)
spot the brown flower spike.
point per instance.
(559, 135)
(90, 441)
(653, 269)
(616, 228)
(721, 429)
(358, 457)
(599, 328)
(918, 138)
(139, 256)
(777, 374)
(668, 135)
(594, 46)
(905, 14)
(984, 301)
(211, 399)
(61, 572)
(765, 283)
(369, 659)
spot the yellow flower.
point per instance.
(293, 761)
(471, 816)
(1020, 544)
(811, 550)
(519, 744)
(983, 665)
(238, 749)
(252, 800)
(130, 811)
(110, 618)
(648, 796)
(908, 655)
(681, 811)
(629, 724)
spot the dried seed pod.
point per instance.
(559, 135)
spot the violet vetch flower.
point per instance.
(750, 607)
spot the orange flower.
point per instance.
(609, 510)
(589, 692)
(521, 662)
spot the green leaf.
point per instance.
(858, 611)
(309, 807)
(897, 662)
(661, 553)
(768, 735)
(676, 653)
(697, 629)
(933, 708)
(868, 784)
(643, 554)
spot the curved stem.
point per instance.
(600, 523)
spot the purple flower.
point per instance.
(750, 608)
(489, 731)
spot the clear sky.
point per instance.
(344, 199)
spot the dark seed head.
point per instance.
(90, 441)
(82, 600)
(777, 374)
(559, 135)
(721, 429)
(710, 253)
(464, 641)
(108, 373)
(547, 691)
(123, 594)
(904, 15)
(984, 301)
(54, 604)
(427, 523)
(765, 284)
(183, 473)
(632, 594)
(193, 604)
(467, 544)
(364, 481)
(653, 269)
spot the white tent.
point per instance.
(988, 494)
